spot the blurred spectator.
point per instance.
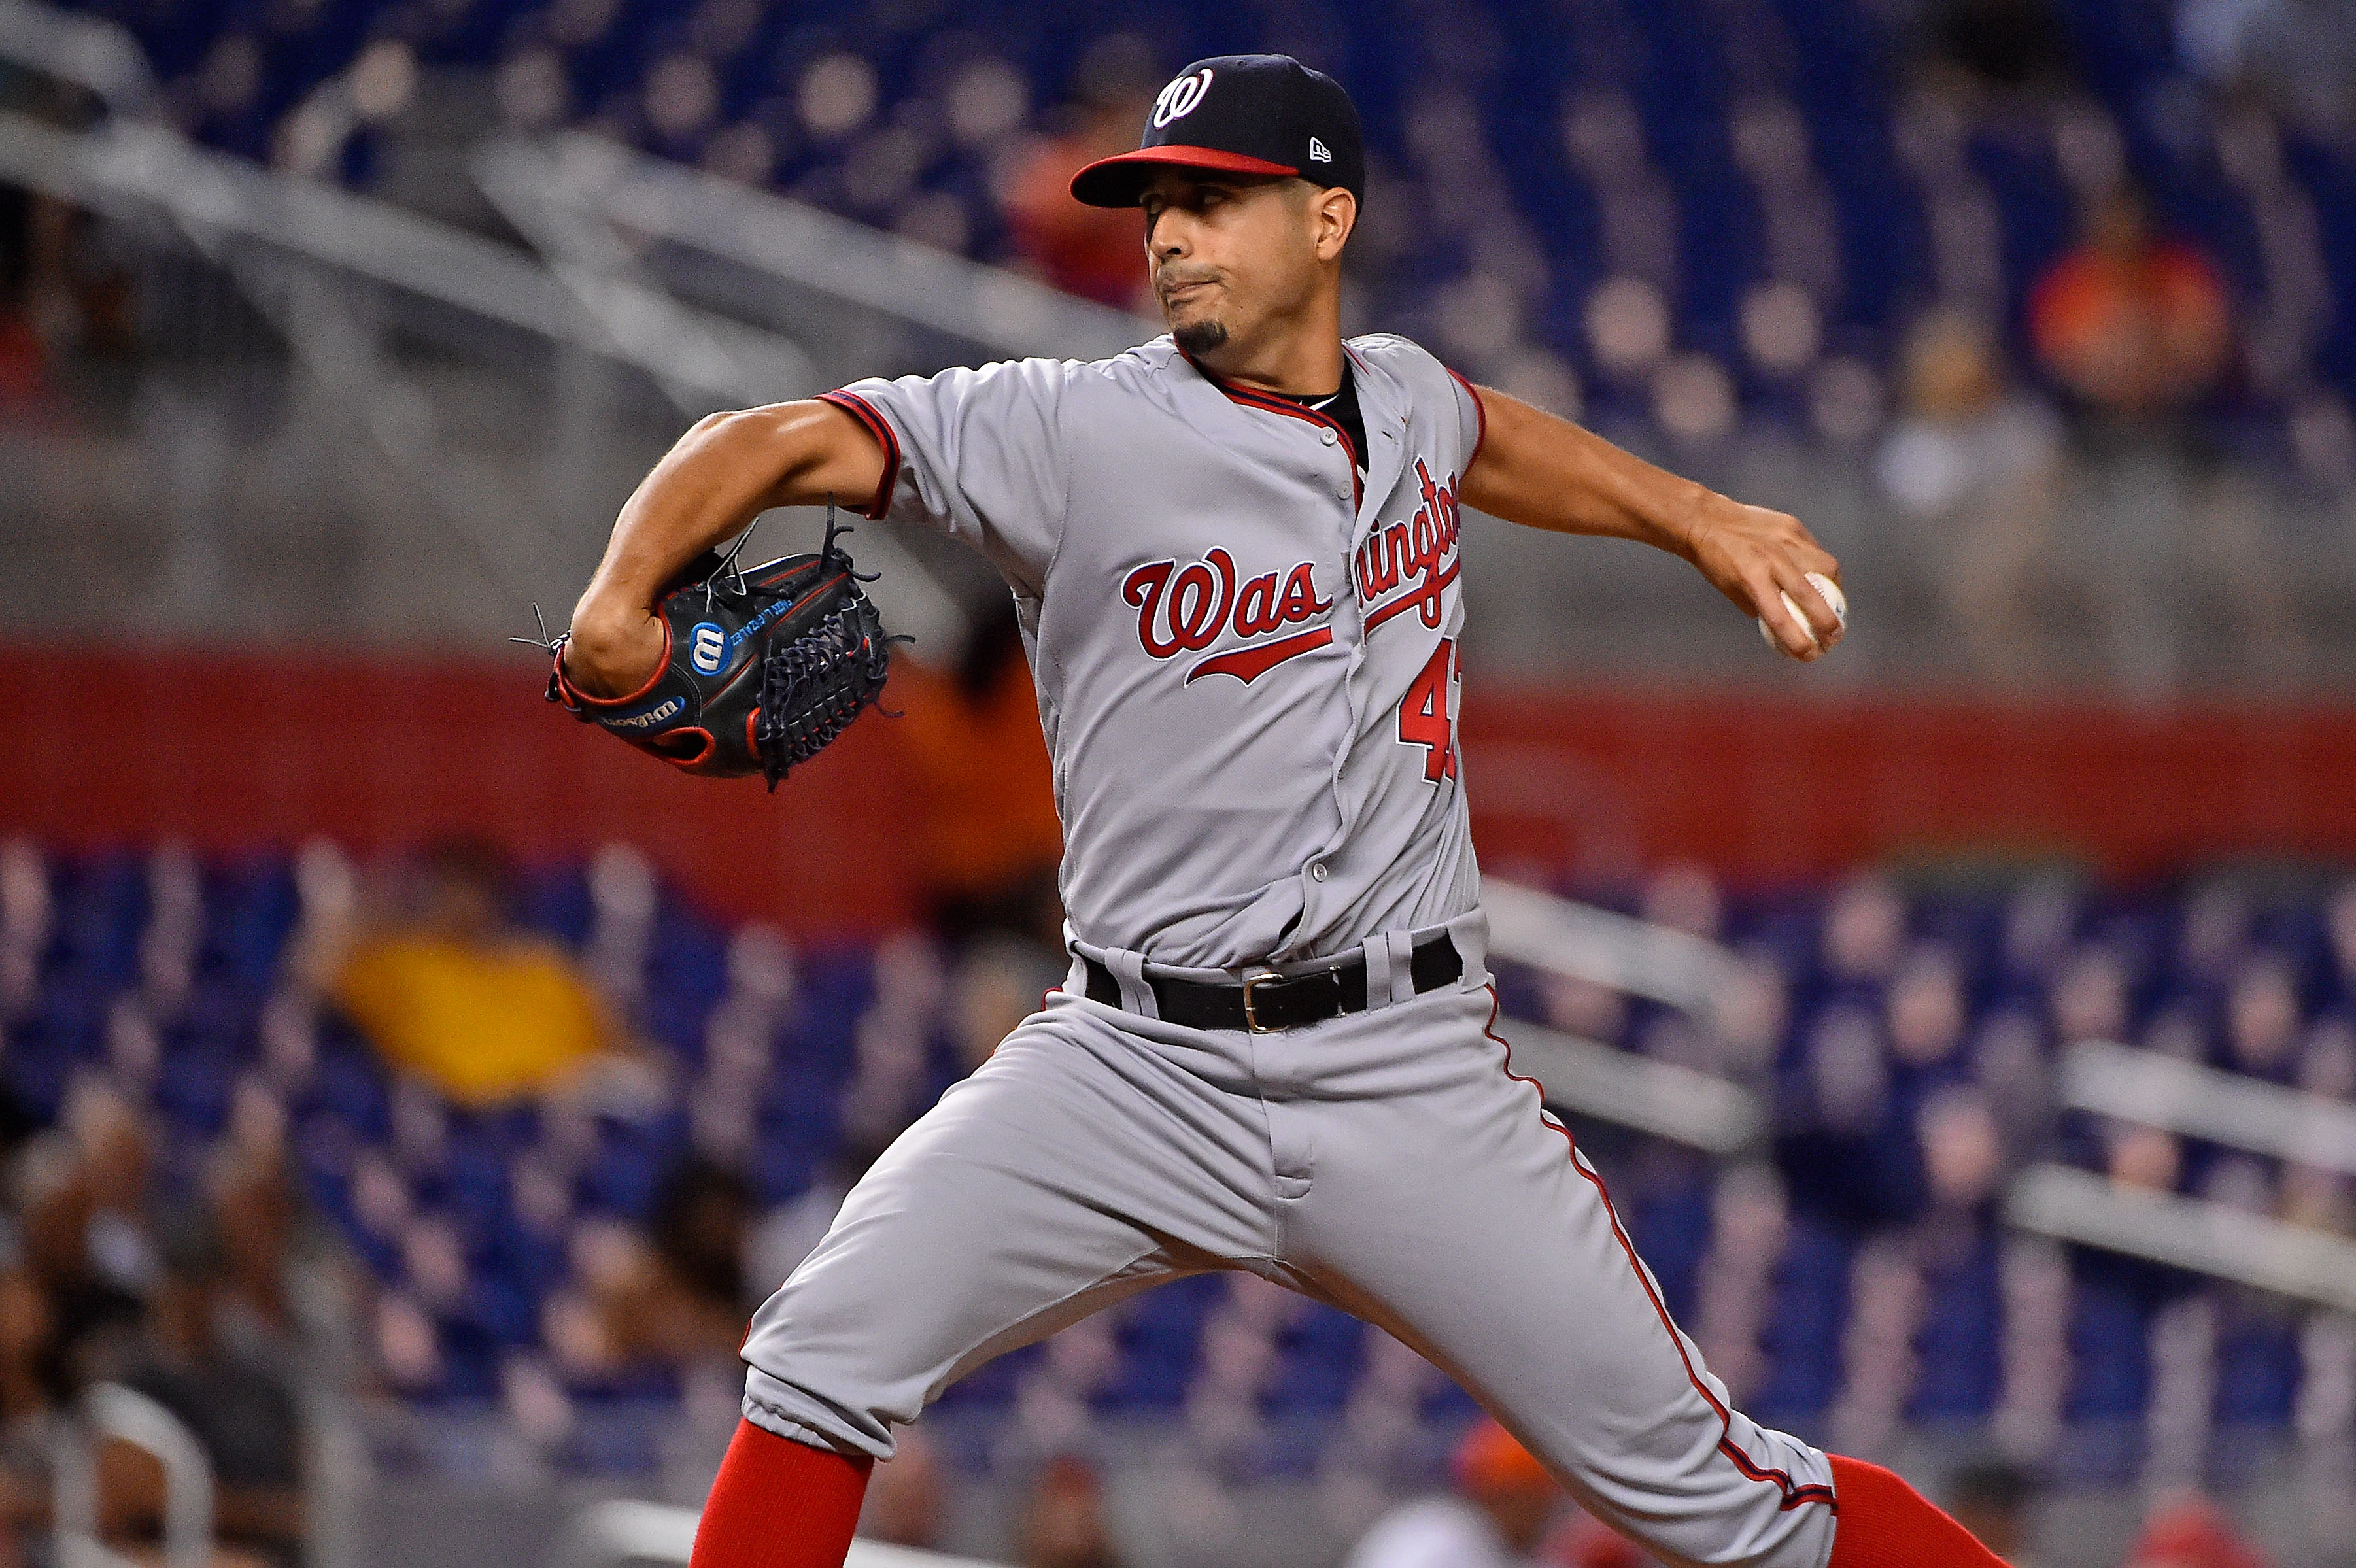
(28, 1419)
(255, 1207)
(1098, 253)
(2143, 1157)
(1926, 1009)
(703, 1217)
(2298, 56)
(2132, 324)
(997, 983)
(1974, 466)
(2005, 45)
(1963, 1156)
(680, 1298)
(237, 1405)
(1865, 928)
(1684, 897)
(1992, 1500)
(2262, 1019)
(2340, 926)
(94, 1300)
(1582, 1007)
(1503, 1505)
(2090, 999)
(1063, 1521)
(992, 837)
(907, 1504)
(2191, 1535)
(447, 989)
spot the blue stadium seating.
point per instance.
(238, 68)
(1845, 1183)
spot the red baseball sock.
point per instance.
(780, 1504)
(1885, 1523)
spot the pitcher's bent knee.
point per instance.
(820, 1369)
(832, 1416)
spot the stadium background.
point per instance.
(332, 333)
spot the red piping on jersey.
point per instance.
(1481, 435)
(1795, 1496)
(1285, 405)
(860, 409)
(1248, 664)
(1408, 601)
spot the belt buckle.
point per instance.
(1251, 1015)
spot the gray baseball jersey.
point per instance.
(1244, 654)
(1246, 663)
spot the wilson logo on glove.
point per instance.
(668, 709)
(709, 648)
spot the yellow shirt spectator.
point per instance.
(482, 1022)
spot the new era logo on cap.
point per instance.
(1259, 114)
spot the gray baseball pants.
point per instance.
(1385, 1162)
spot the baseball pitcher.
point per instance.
(1234, 551)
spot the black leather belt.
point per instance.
(1268, 1002)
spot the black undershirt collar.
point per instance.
(1341, 408)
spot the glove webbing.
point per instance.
(813, 687)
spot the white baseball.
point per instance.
(1831, 592)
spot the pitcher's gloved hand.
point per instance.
(762, 668)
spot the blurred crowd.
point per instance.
(1908, 1045)
(483, 1169)
(1737, 216)
(210, 1291)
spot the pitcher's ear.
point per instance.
(1337, 214)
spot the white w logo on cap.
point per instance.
(1179, 98)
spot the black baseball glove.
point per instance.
(762, 667)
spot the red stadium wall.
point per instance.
(1765, 790)
(236, 749)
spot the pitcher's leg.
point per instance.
(1443, 1207)
(1080, 1164)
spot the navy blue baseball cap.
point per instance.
(1265, 114)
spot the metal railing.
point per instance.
(1619, 951)
(351, 285)
(1580, 941)
(2221, 1240)
(111, 1411)
(2214, 1238)
(95, 55)
(2198, 1102)
(778, 247)
(1566, 937)
(394, 317)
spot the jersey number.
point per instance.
(1423, 714)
